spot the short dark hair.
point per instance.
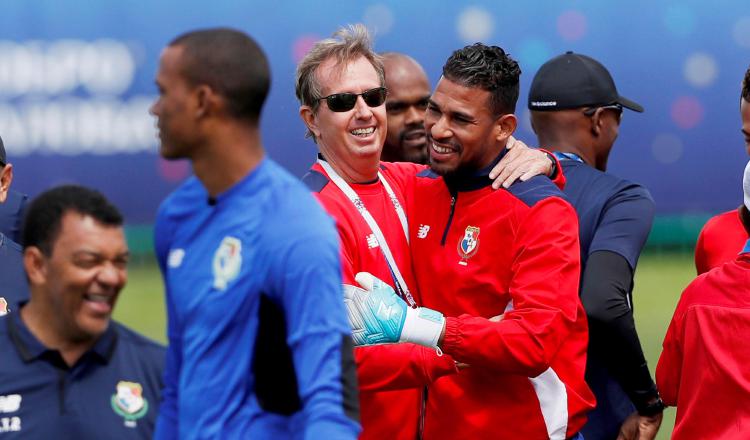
(43, 219)
(746, 86)
(231, 63)
(488, 68)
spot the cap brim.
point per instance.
(632, 105)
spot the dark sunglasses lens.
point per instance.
(374, 97)
(341, 102)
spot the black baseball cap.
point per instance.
(572, 80)
(3, 159)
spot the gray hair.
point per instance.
(345, 45)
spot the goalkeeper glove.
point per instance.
(378, 315)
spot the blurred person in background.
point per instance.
(12, 203)
(408, 93)
(340, 86)
(703, 368)
(576, 112)
(68, 371)
(13, 285)
(723, 236)
(259, 345)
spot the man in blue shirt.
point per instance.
(13, 286)
(259, 344)
(576, 112)
(67, 371)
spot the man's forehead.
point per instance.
(449, 92)
(78, 230)
(333, 74)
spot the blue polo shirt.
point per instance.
(112, 392)
(13, 285)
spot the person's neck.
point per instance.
(354, 169)
(45, 325)
(568, 145)
(228, 158)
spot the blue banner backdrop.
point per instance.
(76, 80)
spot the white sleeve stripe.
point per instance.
(553, 402)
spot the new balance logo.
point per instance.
(422, 231)
(372, 242)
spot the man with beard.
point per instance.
(479, 253)
(259, 345)
(408, 93)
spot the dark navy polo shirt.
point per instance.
(13, 285)
(614, 214)
(112, 392)
(11, 214)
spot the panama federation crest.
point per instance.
(4, 310)
(468, 245)
(129, 402)
(227, 262)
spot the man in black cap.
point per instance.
(576, 112)
(13, 286)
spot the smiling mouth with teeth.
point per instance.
(441, 150)
(97, 298)
(363, 131)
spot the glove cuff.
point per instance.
(422, 326)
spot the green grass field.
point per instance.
(659, 281)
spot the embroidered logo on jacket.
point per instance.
(468, 245)
(372, 242)
(4, 310)
(422, 231)
(129, 402)
(227, 262)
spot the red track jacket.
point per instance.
(703, 369)
(478, 253)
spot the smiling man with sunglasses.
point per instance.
(576, 111)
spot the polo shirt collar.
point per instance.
(31, 348)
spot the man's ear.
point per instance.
(596, 122)
(505, 126)
(6, 177)
(309, 118)
(206, 101)
(35, 264)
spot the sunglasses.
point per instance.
(616, 107)
(343, 102)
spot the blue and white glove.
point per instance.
(378, 315)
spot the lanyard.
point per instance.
(746, 249)
(401, 286)
(567, 156)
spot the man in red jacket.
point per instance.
(702, 369)
(340, 89)
(479, 253)
(724, 235)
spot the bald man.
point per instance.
(408, 93)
